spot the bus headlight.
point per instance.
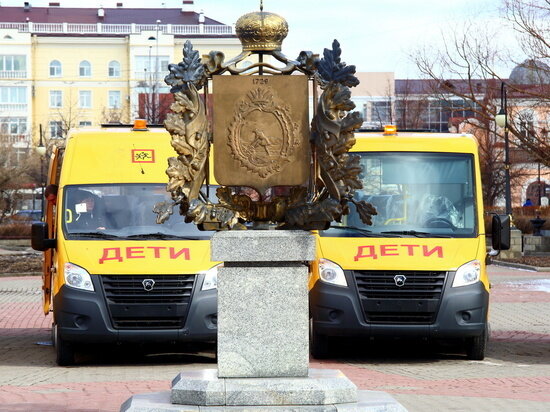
(210, 277)
(467, 274)
(330, 272)
(77, 277)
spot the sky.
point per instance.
(375, 35)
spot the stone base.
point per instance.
(320, 387)
(263, 311)
(515, 250)
(368, 401)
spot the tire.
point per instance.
(475, 347)
(64, 351)
(318, 344)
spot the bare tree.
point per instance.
(466, 67)
(491, 154)
(17, 169)
(411, 105)
(66, 116)
(116, 114)
(154, 106)
(530, 19)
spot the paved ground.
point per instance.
(515, 376)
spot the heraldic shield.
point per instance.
(261, 134)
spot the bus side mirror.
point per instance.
(501, 232)
(39, 237)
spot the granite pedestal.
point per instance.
(263, 337)
(263, 314)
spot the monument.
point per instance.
(279, 178)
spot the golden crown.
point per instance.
(261, 31)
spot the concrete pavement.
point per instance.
(515, 376)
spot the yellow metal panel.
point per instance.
(140, 257)
(415, 142)
(111, 156)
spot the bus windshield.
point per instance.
(415, 194)
(122, 211)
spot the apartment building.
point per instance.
(68, 67)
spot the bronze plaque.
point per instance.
(261, 133)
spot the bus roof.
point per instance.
(415, 142)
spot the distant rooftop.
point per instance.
(113, 21)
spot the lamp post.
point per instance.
(150, 105)
(41, 150)
(156, 97)
(501, 119)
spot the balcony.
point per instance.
(15, 140)
(13, 74)
(120, 29)
(150, 77)
(13, 107)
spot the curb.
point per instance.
(520, 266)
(19, 274)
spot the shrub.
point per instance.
(15, 230)
(521, 217)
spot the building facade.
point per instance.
(76, 67)
(459, 105)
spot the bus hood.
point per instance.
(409, 253)
(140, 257)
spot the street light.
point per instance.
(156, 97)
(501, 119)
(150, 112)
(41, 150)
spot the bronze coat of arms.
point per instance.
(261, 131)
(272, 164)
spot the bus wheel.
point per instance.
(64, 351)
(475, 347)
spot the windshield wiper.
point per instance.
(413, 233)
(160, 236)
(364, 232)
(100, 235)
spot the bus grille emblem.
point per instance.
(399, 280)
(148, 284)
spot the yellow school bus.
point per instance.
(420, 269)
(111, 274)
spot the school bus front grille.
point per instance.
(148, 301)
(400, 297)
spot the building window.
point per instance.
(85, 99)
(381, 113)
(526, 124)
(84, 123)
(13, 126)
(56, 98)
(13, 95)
(55, 68)
(85, 69)
(12, 66)
(114, 99)
(145, 67)
(114, 69)
(56, 129)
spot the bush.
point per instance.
(521, 217)
(15, 231)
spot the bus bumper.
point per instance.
(84, 317)
(338, 311)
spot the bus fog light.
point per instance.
(467, 274)
(330, 272)
(77, 277)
